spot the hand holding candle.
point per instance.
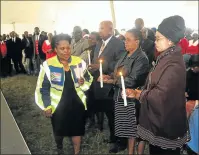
(123, 89)
(101, 75)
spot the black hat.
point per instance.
(173, 28)
(194, 60)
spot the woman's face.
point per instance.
(162, 43)
(63, 51)
(131, 43)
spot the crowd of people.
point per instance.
(80, 80)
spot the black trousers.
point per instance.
(9, 65)
(18, 63)
(4, 66)
(155, 150)
(107, 106)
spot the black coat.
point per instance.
(163, 114)
(28, 47)
(135, 70)
(110, 56)
(192, 85)
(14, 49)
(148, 46)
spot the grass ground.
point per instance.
(36, 129)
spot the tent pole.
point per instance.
(13, 24)
(113, 13)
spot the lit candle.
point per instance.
(89, 57)
(123, 89)
(101, 77)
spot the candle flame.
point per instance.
(100, 60)
(121, 73)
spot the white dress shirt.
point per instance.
(105, 43)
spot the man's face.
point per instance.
(77, 34)
(12, 34)
(63, 51)
(37, 31)
(92, 39)
(4, 37)
(195, 36)
(138, 24)
(26, 34)
(104, 31)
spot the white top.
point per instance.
(37, 37)
(105, 43)
(193, 44)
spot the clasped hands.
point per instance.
(106, 79)
(132, 93)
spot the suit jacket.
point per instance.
(110, 56)
(148, 46)
(28, 47)
(78, 49)
(151, 35)
(42, 38)
(14, 49)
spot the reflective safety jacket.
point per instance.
(50, 84)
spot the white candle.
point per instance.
(123, 89)
(101, 77)
(89, 57)
(79, 71)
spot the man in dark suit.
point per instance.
(14, 48)
(38, 55)
(27, 44)
(109, 51)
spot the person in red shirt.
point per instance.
(46, 47)
(193, 45)
(183, 43)
(3, 58)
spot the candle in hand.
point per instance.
(101, 77)
(123, 89)
(79, 71)
(89, 57)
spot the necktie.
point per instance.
(101, 49)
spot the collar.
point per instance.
(135, 53)
(2, 42)
(107, 40)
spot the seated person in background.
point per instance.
(193, 45)
(148, 46)
(46, 47)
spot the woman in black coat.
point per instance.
(134, 66)
(162, 120)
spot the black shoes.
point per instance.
(117, 148)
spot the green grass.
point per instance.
(36, 129)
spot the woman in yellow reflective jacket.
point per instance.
(61, 84)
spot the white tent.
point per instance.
(64, 15)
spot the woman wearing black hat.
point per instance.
(163, 121)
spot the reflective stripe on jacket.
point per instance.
(50, 84)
